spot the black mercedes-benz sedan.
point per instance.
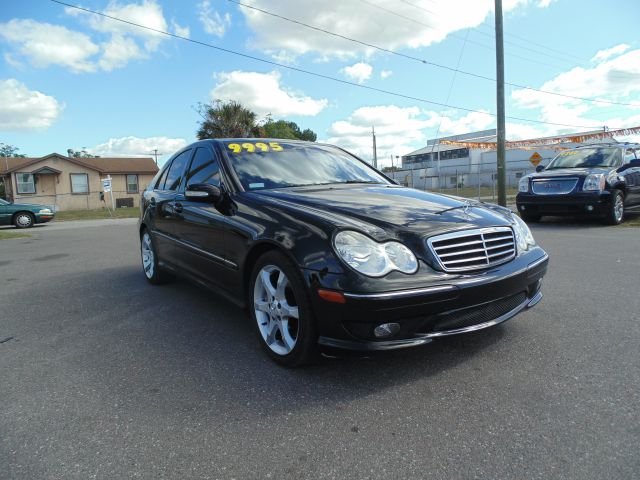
(325, 251)
(596, 180)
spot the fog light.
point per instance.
(589, 208)
(386, 330)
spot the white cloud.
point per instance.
(399, 130)
(613, 79)
(610, 52)
(118, 51)
(212, 22)
(262, 93)
(148, 13)
(24, 109)
(138, 147)
(180, 31)
(386, 73)
(358, 72)
(44, 44)
(429, 23)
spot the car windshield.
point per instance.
(269, 164)
(3, 202)
(584, 158)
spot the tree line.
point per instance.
(230, 119)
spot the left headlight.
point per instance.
(372, 258)
(594, 182)
(524, 237)
(44, 211)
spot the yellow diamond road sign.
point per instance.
(535, 159)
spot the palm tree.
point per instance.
(226, 120)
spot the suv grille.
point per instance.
(560, 186)
(473, 249)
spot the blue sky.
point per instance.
(70, 79)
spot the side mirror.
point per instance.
(539, 168)
(204, 192)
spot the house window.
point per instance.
(453, 180)
(132, 183)
(519, 175)
(25, 183)
(79, 183)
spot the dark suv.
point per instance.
(597, 180)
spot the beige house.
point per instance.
(75, 183)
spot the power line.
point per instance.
(508, 34)
(316, 74)
(423, 61)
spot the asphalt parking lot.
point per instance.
(105, 376)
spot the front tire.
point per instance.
(615, 214)
(24, 220)
(279, 308)
(150, 262)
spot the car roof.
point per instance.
(610, 145)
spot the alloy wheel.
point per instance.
(147, 255)
(618, 208)
(276, 310)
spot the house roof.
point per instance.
(99, 164)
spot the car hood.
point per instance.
(387, 211)
(31, 206)
(569, 172)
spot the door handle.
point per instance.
(177, 208)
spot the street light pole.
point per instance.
(501, 130)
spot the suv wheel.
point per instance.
(615, 215)
(279, 307)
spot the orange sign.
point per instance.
(535, 159)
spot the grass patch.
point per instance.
(99, 214)
(631, 221)
(5, 235)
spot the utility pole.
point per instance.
(501, 131)
(375, 150)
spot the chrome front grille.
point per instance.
(549, 186)
(473, 249)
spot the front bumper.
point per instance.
(43, 218)
(581, 203)
(463, 304)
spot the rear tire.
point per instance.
(615, 213)
(280, 310)
(150, 261)
(24, 220)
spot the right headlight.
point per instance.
(372, 258)
(523, 184)
(524, 237)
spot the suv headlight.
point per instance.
(523, 184)
(372, 258)
(524, 238)
(594, 182)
